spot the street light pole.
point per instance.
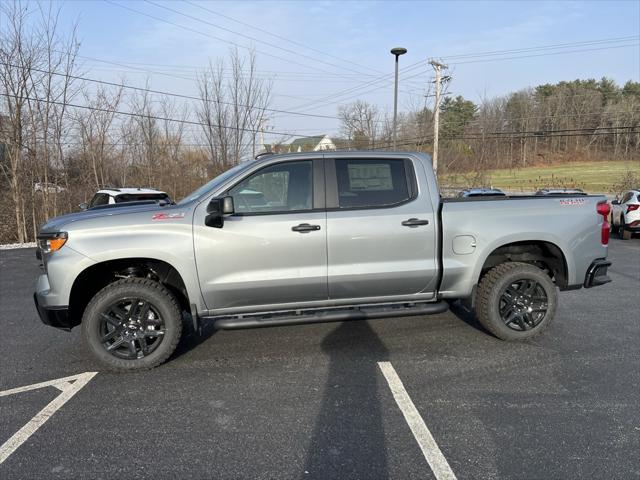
(396, 52)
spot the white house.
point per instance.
(312, 144)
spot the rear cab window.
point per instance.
(371, 183)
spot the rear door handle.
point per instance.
(415, 222)
(305, 228)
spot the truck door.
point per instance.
(381, 228)
(273, 249)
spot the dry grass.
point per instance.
(593, 177)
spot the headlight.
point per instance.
(51, 242)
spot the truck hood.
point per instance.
(58, 223)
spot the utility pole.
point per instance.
(436, 113)
(261, 128)
(396, 52)
(262, 133)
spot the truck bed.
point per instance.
(473, 227)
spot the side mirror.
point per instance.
(615, 202)
(216, 210)
(83, 206)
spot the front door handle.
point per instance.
(415, 222)
(305, 228)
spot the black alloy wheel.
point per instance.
(516, 301)
(523, 305)
(132, 324)
(131, 328)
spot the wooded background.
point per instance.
(64, 135)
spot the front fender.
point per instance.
(169, 243)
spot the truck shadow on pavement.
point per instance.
(467, 316)
(192, 337)
(348, 439)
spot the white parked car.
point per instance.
(625, 214)
(112, 196)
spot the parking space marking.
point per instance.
(427, 443)
(68, 386)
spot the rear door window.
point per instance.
(364, 183)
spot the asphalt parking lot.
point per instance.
(312, 402)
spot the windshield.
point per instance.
(216, 182)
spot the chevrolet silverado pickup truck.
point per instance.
(314, 237)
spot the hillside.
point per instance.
(596, 177)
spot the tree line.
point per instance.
(62, 137)
(570, 120)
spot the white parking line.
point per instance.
(68, 390)
(427, 443)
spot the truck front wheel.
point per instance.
(132, 324)
(516, 301)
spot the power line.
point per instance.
(128, 67)
(150, 117)
(280, 36)
(160, 92)
(177, 95)
(388, 144)
(351, 90)
(480, 61)
(503, 52)
(214, 37)
(520, 134)
(544, 47)
(272, 45)
(171, 94)
(181, 67)
(412, 142)
(501, 119)
(546, 54)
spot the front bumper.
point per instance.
(57, 317)
(597, 273)
(53, 315)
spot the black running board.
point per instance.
(301, 317)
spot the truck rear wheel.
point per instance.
(132, 324)
(516, 301)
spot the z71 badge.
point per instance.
(168, 216)
(570, 202)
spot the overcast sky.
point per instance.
(168, 46)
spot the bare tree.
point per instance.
(232, 110)
(32, 52)
(359, 123)
(94, 127)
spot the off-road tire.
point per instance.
(149, 290)
(491, 288)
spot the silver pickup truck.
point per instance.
(314, 237)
